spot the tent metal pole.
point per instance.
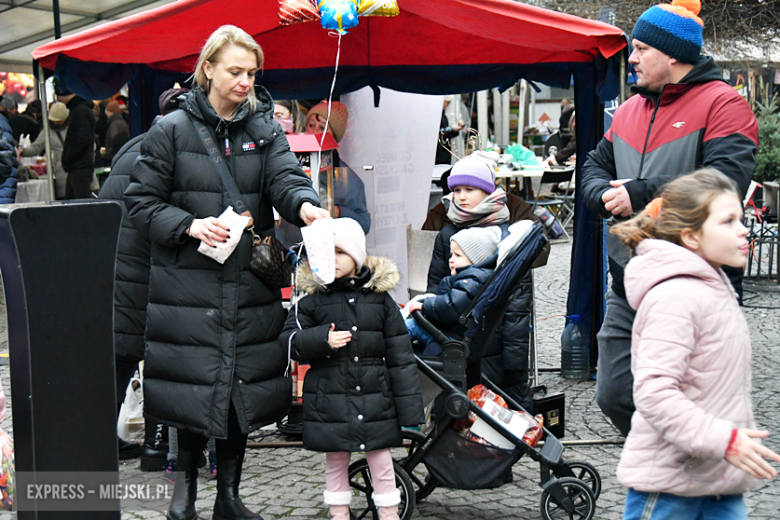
(46, 126)
(55, 8)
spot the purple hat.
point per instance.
(475, 172)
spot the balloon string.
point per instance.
(330, 100)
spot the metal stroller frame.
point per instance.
(570, 489)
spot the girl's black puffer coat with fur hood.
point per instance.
(355, 398)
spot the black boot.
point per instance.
(128, 450)
(155, 454)
(228, 505)
(185, 491)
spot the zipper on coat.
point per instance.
(647, 137)
(233, 164)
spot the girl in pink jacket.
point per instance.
(691, 451)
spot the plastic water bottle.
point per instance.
(575, 351)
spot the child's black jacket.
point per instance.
(456, 292)
(355, 398)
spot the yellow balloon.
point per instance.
(378, 8)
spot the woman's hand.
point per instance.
(749, 456)
(414, 306)
(210, 230)
(309, 213)
(338, 339)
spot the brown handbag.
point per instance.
(268, 261)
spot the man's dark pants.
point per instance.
(615, 382)
(79, 182)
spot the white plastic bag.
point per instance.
(130, 425)
(320, 243)
(236, 223)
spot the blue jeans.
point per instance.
(416, 332)
(663, 506)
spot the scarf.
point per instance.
(491, 211)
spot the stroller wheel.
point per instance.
(577, 502)
(588, 474)
(362, 488)
(423, 481)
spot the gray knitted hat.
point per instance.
(7, 103)
(478, 243)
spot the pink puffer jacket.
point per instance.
(690, 356)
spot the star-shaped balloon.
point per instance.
(338, 15)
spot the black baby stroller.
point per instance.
(444, 457)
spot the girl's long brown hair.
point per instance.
(686, 205)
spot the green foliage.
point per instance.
(768, 156)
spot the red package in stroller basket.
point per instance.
(481, 395)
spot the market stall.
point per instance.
(432, 47)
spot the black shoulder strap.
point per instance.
(210, 142)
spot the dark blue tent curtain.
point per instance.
(587, 285)
(146, 85)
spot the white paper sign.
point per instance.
(398, 139)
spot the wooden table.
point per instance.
(506, 174)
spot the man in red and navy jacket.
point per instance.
(684, 117)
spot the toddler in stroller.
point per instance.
(471, 263)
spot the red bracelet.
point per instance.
(733, 443)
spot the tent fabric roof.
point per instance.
(475, 35)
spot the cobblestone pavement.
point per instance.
(288, 482)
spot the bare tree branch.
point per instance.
(753, 21)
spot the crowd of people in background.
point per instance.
(83, 135)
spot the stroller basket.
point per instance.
(460, 463)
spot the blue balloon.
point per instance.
(338, 15)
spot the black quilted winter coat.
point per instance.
(505, 361)
(78, 151)
(355, 398)
(212, 329)
(131, 288)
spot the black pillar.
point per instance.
(57, 261)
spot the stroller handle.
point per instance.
(430, 327)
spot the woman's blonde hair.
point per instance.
(685, 205)
(212, 52)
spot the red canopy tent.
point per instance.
(427, 33)
(432, 47)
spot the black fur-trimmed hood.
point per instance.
(383, 276)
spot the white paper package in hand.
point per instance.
(236, 224)
(321, 250)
